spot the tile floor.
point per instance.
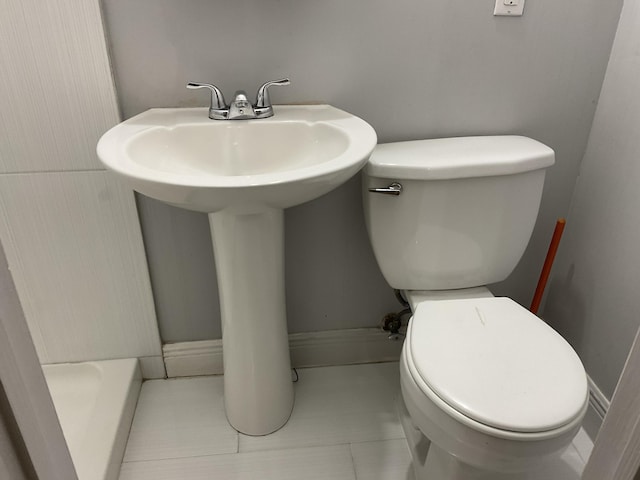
(343, 427)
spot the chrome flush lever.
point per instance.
(393, 189)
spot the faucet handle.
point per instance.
(217, 99)
(262, 100)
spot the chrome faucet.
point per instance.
(240, 108)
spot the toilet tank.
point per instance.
(466, 211)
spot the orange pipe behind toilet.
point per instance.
(548, 262)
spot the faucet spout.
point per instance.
(241, 107)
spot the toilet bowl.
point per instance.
(493, 388)
(488, 390)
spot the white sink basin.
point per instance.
(181, 157)
(243, 173)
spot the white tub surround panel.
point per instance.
(72, 238)
(56, 90)
(74, 246)
(95, 402)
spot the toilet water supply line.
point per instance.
(548, 262)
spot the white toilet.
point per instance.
(490, 391)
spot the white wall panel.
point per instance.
(74, 247)
(56, 91)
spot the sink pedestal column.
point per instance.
(249, 255)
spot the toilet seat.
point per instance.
(495, 364)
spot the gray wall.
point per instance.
(413, 69)
(593, 295)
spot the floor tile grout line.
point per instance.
(285, 449)
(282, 450)
(364, 442)
(580, 449)
(579, 453)
(329, 444)
(178, 458)
(352, 443)
(353, 462)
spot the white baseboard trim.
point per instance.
(312, 349)
(598, 407)
(189, 359)
(597, 400)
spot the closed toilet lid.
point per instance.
(496, 363)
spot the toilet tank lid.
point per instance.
(459, 157)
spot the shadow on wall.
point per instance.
(566, 306)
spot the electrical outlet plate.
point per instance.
(509, 8)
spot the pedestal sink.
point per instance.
(243, 174)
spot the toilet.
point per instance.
(489, 391)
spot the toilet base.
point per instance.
(442, 466)
(430, 462)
